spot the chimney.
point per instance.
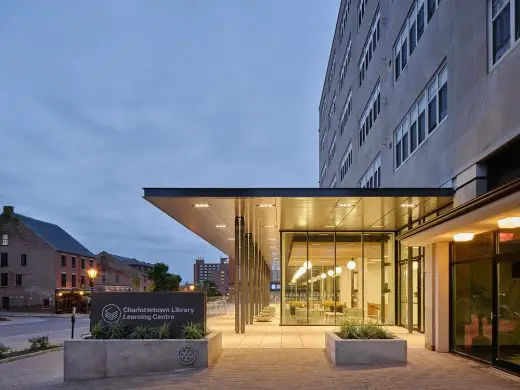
(8, 210)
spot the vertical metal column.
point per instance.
(243, 280)
(247, 296)
(251, 262)
(383, 292)
(410, 279)
(239, 225)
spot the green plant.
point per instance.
(163, 331)
(39, 343)
(354, 330)
(4, 349)
(99, 332)
(193, 331)
(141, 332)
(117, 331)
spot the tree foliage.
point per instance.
(209, 287)
(162, 279)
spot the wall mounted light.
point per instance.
(338, 270)
(351, 265)
(323, 275)
(463, 237)
(509, 223)
(330, 272)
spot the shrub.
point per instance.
(140, 332)
(4, 349)
(117, 331)
(354, 330)
(39, 343)
(163, 332)
(99, 332)
(193, 331)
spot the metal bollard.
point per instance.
(73, 320)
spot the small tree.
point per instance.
(209, 287)
(162, 279)
(136, 282)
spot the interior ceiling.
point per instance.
(216, 223)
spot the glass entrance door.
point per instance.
(508, 314)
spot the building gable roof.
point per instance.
(55, 236)
(127, 260)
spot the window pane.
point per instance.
(509, 241)
(397, 65)
(413, 136)
(443, 102)
(501, 33)
(517, 18)
(431, 9)
(432, 114)
(404, 54)
(420, 22)
(421, 127)
(405, 146)
(413, 37)
(398, 154)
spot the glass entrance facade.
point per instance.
(485, 307)
(328, 277)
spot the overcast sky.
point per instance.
(102, 98)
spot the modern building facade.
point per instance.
(42, 268)
(421, 93)
(216, 272)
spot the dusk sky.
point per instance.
(102, 98)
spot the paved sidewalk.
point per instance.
(275, 369)
(40, 315)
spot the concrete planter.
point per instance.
(87, 359)
(352, 352)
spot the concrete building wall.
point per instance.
(483, 109)
(38, 276)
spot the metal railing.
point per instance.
(217, 307)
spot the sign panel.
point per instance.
(150, 309)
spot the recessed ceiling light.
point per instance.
(221, 226)
(462, 237)
(330, 226)
(269, 226)
(345, 205)
(509, 223)
(265, 205)
(271, 239)
(231, 238)
(201, 205)
(377, 226)
(408, 205)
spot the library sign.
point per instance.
(149, 309)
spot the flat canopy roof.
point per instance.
(210, 212)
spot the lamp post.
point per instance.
(92, 273)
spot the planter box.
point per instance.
(87, 359)
(351, 352)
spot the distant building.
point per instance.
(217, 272)
(42, 267)
(121, 273)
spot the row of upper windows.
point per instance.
(74, 264)
(346, 162)
(370, 46)
(4, 279)
(4, 260)
(372, 176)
(430, 108)
(370, 114)
(413, 28)
(362, 6)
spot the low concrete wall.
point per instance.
(87, 359)
(352, 352)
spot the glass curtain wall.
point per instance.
(417, 281)
(329, 277)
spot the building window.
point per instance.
(323, 172)
(83, 281)
(411, 32)
(370, 114)
(23, 260)
(82, 263)
(63, 280)
(332, 67)
(372, 176)
(4, 279)
(430, 108)
(344, 17)
(91, 263)
(369, 48)
(73, 281)
(362, 5)
(333, 182)
(18, 279)
(346, 62)
(63, 260)
(346, 162)
(504, 26)
(73, 261)
(5, 239)
(332, 149)
(46, 303)
(347, 109)
(117, 279)
(4, 261)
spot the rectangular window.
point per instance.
(73, 261)
(91, 263)
(18, 279)
(431, 8)
(73, 281)
(517, 19)
(421, 122)
(5, 239)
(23, 260)
(412, 35)
(369, 47)
(398, 147)
(371, 178)
(82, 263)
(432, 106)
(4, 260)
(117, 279)
(397, 65)
(404, 53)
(63, 280)
(83, 281)
(63, 260)
(369, 114)
(504, 26)
(420, 20)
(4, 279)
(443, 94)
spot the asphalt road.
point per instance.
(16, 332)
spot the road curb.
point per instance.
(28, 355)
(43, 315)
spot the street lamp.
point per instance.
(92, 273)
(192, 287)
